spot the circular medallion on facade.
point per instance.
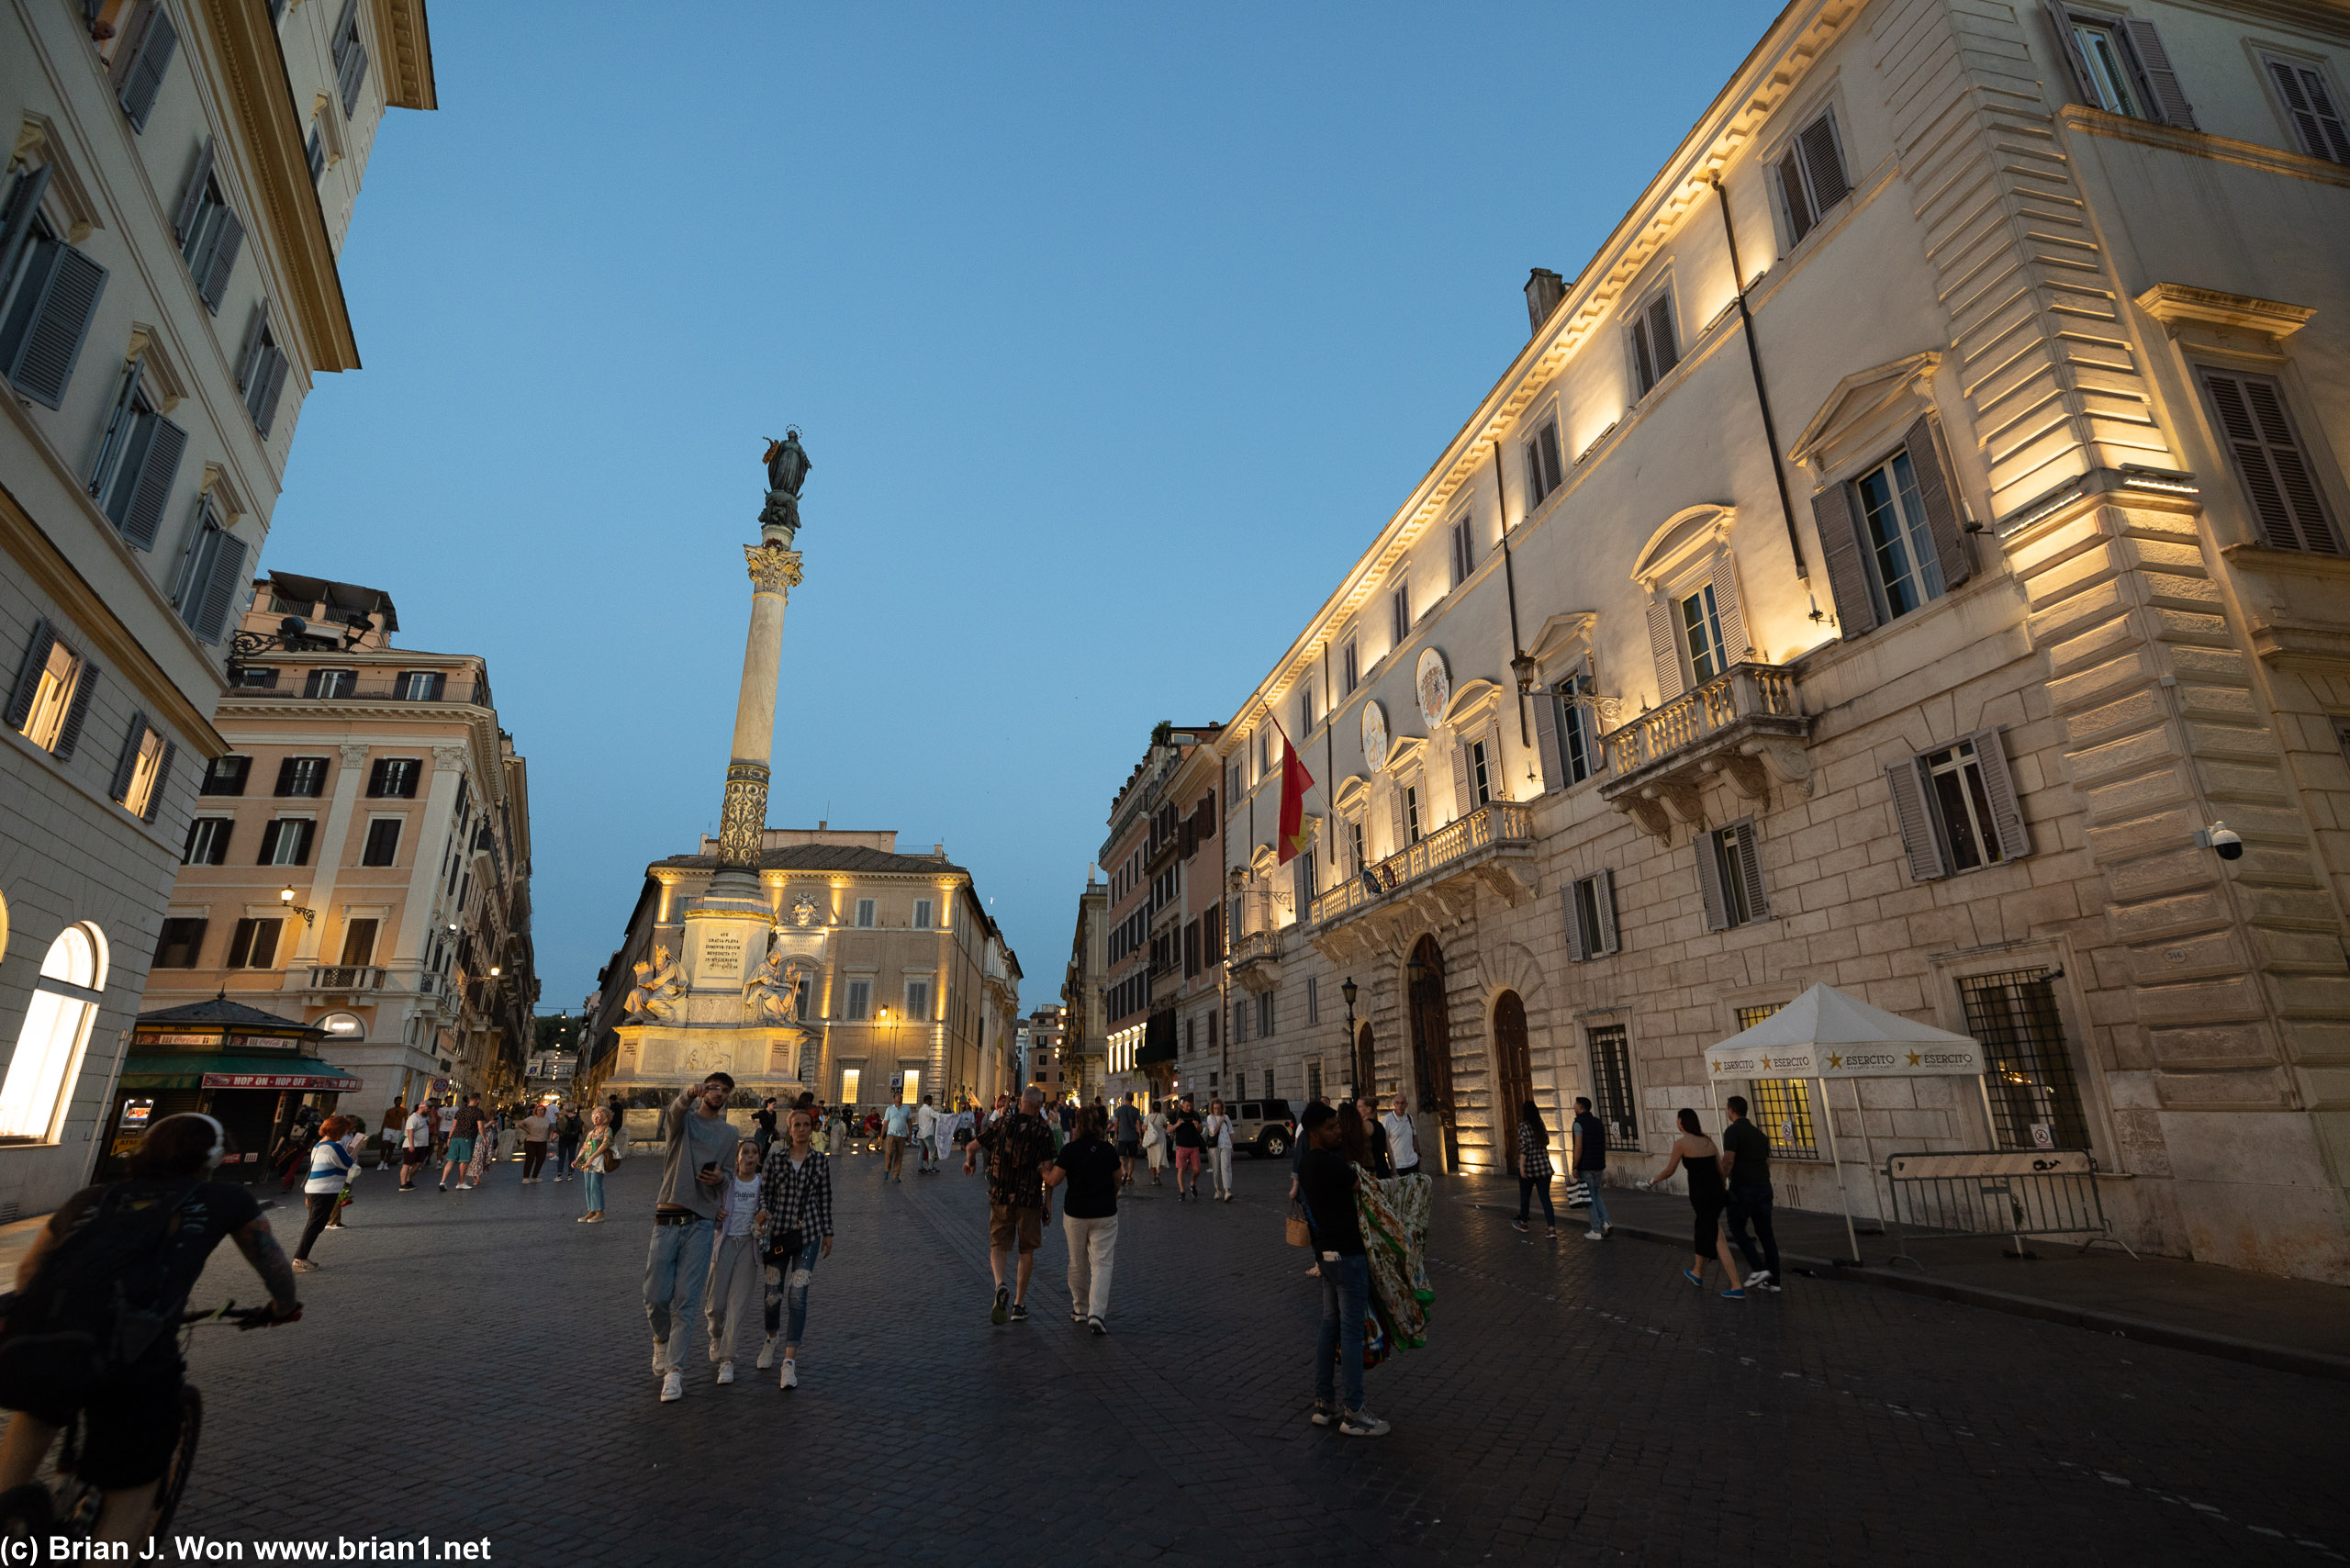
(1433, 682)
(1374, 735)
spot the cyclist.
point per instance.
(131, 1417)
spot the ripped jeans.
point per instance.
(792, 1287)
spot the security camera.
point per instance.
(2222, 837)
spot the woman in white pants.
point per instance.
(732, 1299)
(1088, 1164)
(1217, 1130)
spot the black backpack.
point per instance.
(101, 1300)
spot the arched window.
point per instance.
(57, 1024)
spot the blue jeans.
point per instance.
(595, 1180)
(1753, 1204)
(1346, 1296)
(675, 1266)
(789, 1294)
(1599, 1204)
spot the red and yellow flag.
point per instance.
(1295, 782)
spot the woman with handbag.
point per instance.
(1533, 1168)
(597, 1158)
(1154, 1142)
(796, 1212)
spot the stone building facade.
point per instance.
(179, 177)
(1909, 556)
(375, 782)
(1161, 905)
(901, 983)
(1083, 994)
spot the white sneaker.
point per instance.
(725, 1372)
(673, 1387)
(790, 1373)
(766, 1354)
(1592, 1236)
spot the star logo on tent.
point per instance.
(1717, 1066)
(1913, 1058)
(1835, 1061)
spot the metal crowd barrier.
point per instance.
(1997, 1192)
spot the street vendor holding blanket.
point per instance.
(1325, 1179)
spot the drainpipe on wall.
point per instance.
(1509, 576)
(1762, 398)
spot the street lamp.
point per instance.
(1354, 1062)
(285, 897)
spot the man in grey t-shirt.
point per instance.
(693, 1172)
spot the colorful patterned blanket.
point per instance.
(1394, 1214)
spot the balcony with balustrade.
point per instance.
(1255, 962)
(1490, 851)
(1746, 724)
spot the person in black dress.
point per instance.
(1693, 1152)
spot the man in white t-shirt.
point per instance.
(897, 1120)
(926, 1137)
(416, 1144)
(1403, 1139)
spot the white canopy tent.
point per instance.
(1824, 1034)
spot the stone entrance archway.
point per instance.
(1366, 1064)
(1432, 1042)
(1512, 1074)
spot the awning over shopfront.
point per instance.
(203, 1070)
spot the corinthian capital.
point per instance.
(773, 569)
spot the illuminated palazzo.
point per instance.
(1957, 615)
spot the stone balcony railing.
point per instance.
(1493, 845)
(346, 978)
(1255, 960)
(1745, 723)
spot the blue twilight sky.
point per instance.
(1115, 331)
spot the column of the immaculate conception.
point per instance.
(729, 1011)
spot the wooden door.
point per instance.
(1514, 1074)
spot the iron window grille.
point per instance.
(1611, 1086)
(2034, 1090)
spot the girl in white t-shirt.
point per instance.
(1217, 1131)
(732, 1298)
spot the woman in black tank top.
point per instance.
(1694, 1153)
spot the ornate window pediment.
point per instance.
(1472, 703)
(1866, 413)
(1353, 793)
(2238, 324)
(1690, 535)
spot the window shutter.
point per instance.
(1735, 647)
(1396, 815)
(2276, 477)
(144, 80)
(1643, 365)
(1911, 814)
(1749, 869)
(1602, 889)
(1840, 551)
(1800, 217)
(16, 222)
(1462, 802)
(1661, 341)
(267, 414)
(158, 467)
(20, 705)
(1546, 740)
(85, 686)
(305, 827)
(2069, 46)
(240, 943)
(192, 194)
(1495, 784)
(1823, 162)
(269, 833)
(128, 765)
(376, 775)
(226, 243)
(1669, 684)
(264, 948)
(248, 353)
(212, 613)
(162, 781)
(1576, 951)
(61, 318)
(1709, 880)
(2162, 82)
(2306, 99)
(2007, 813)
(285, 777)
(1941, 512)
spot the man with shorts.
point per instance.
(1188, 1144)
(130, 1418)
(416, 1142)
(464, 1129)
(1019, 1146)
(1127, 1126)
(896, 1122)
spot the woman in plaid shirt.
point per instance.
(795, 1202)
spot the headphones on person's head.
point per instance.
(212, 1156)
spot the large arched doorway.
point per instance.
(1366, 1064)
(1432, 1042)
(1512, 1074)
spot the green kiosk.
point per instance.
(250, 1069)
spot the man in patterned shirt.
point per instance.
(1019, 1147)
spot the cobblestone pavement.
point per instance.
(476, 1364)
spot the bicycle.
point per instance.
(67, 1506)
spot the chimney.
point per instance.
(1544, 290)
